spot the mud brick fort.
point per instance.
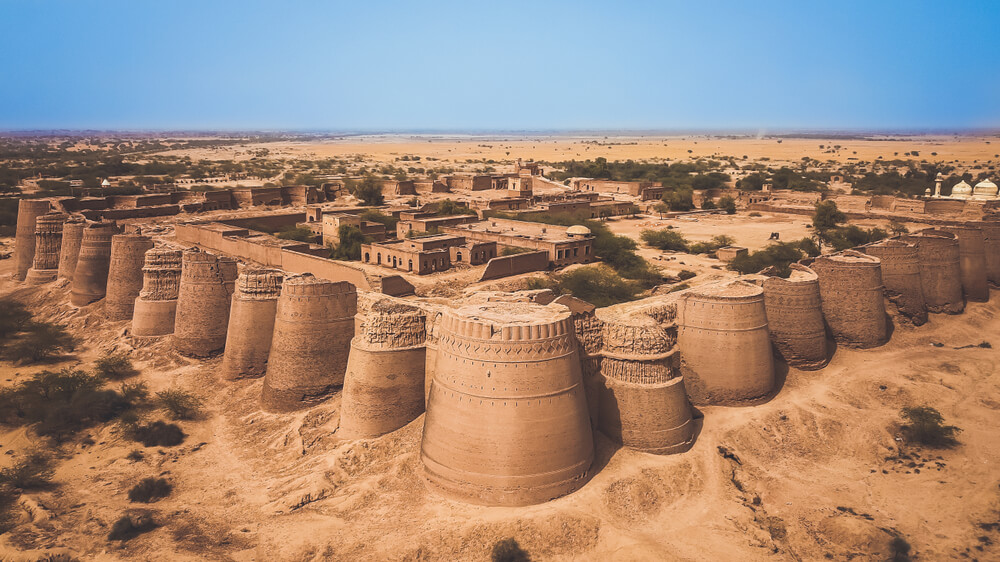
(514, 385)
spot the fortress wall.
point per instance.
(940, 270)
(972, 261)
(901, 276)
(90, 278)
(991, 248)
(251, 323)
(69, 250)
(273, 222)
(587, 329)
(518, 366)
(384, 383)
(432, 322)
(726, 355)
(298, 262)
(311, 342)
(28, 211)
(154, 312)
(128, 255)
(795, 318)
(206, 285)
(136, 213)
(48, 243)
(943, 206)
(505, 266)
(850, 285)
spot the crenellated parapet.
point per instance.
(851, 289)
(48, 244)
(901, 276)
(251, 323)
(154, 311)
(795, 316)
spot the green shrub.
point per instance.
(599, 286)
(728, 204)
(686, 274)
(665, 239)
(157, 434)
(40, 341)
(115, 366)
(368, 190)
(507, 550)
(8, 501)
(131, 525)
(899, 550)
(349, 247)
(373, 215)
(925, 426)
(847, 237)
(449, 207)
(179, 404)
(297, 233)
(33, 471)
(778, 254)
(13, 317)
(827, 215)
(150, 490)
(711, 246)
(513, 251)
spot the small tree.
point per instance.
(115, 366)
(179, 404)
(41, 341)
(728, 204)
(925, 426)
(149, 490)
(349, 246)
(827, 216)
(664, 239)
(369, 191)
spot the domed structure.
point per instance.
(577, 230)
(961, 190)
(985, 190)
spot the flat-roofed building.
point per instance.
(565, 246)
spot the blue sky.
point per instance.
(398, 65)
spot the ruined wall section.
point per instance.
(309, 349)
(795, 318)
(203, 299)
(90, 279)
(28, 211)
(725, 347)
(972, 261)
(154, 312)
(48, 244)
(991, 248)
(851, 289)
(518, 366)
(901, 276)
(128, 255)
(251, 323)
(69, 250)
(940, 270)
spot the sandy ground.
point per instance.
(815, 471)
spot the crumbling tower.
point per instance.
(155, 308)
(384, 384)
(901, 276)
(795, 317)
(128, 255)
(72, 236)
(940, 272)
(850, 286)
(312, 334)
(643, 401)
(48, 241)
(251, 323)
(991, 247)
(588, 330)
(507, 419)
(90, 279)
(28, 211)
(207, 283)
(726, 355)
(432, 321)
(972, 261)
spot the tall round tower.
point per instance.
(384, 384)
(940, 272)
(972, 261)
(312, 334)
(850, 286)
(588, 330)
(128, 255)
(28, 211)
(202, 315)
(726, 355)
(155, 308)
(991, 247)
(901, 276)
(48, 241)
(507, 419)
(69, 251)
(251, 323)
(795, 318)
(90, 279)
(643, 401)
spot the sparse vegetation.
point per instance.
(665, 239)
(686, 274)
(899, 550)
(157, 434)
(513, 250)
(925, 426)
(710, 247)
(38, 341)
(368, 190)
(449, 207)
(13, 317)
(507, 550)
(149, 490)
(599, 285)
(32, 471)
(349, 246)
(131, 525)
(179, 404)
(778, 254)
(297, 233)
(115, 366)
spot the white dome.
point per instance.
(961, 190)
(578, 230)
(986, 189)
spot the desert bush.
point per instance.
(135, 455)
(157, 434)
(686, 274)
(179, 404)
(728, 204)
(32, 471)
(755, 214)
(827, 215)
(297, 233)
(711, 246)
(349, 247)
(40, 340)
(899, 550)
(8, 501)
(846, 237)
(599, 286)
(778, 254)
(115, 366)
(507, 550)
(149, 490)
(925, 426)
(449, 207)
(13, 317)
(131, 525)
(513, 250)
(665, 240)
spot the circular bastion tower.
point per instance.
(128, 255)
(991, 247)
(726, 355)
(202, 317)
(901, 276)
(313, 328)
(251, 323)
(972, 261)
(850, 286)
(507, 420)
(90, 279)
(795, 317)
(155, 308)
(940, 272)
(643, 401)
(72, 236)
(28, 211)
(384, 384)
(48, 242)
